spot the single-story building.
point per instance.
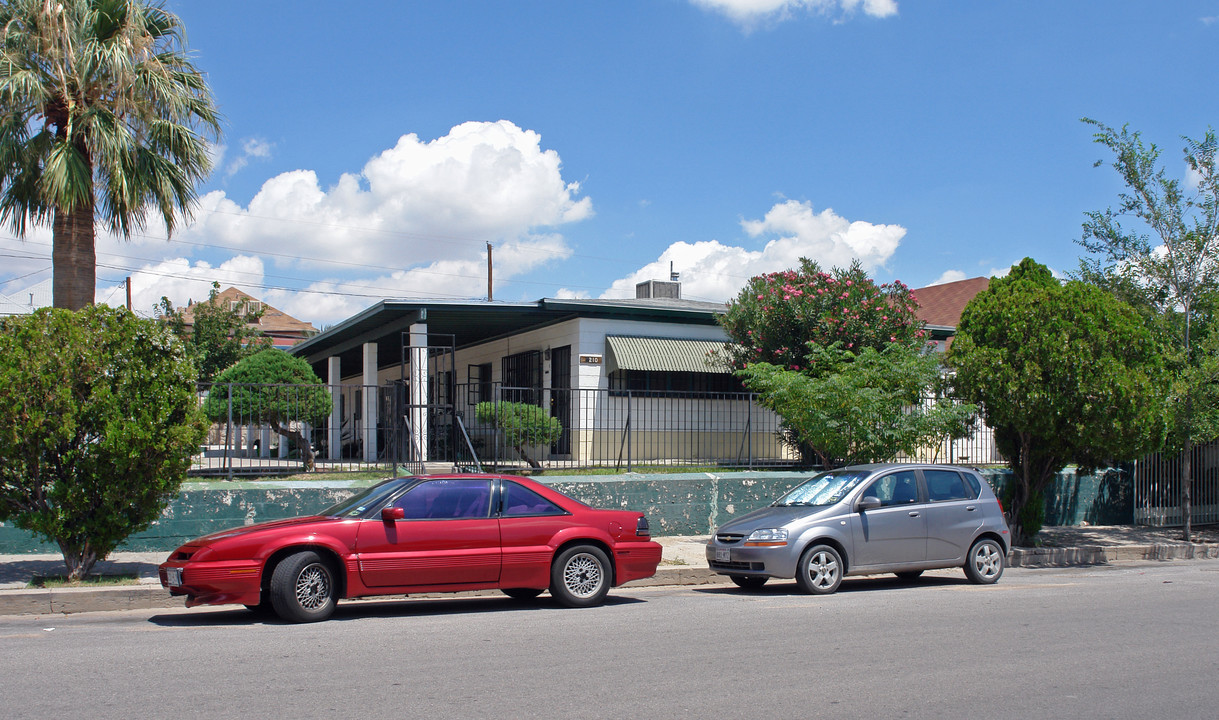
(637, 378)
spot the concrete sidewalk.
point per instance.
(683, 563)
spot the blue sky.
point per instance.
(374, 152)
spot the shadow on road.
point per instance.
(379, 608)
(849, 585)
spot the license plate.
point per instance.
(173, 577)
(723, 555)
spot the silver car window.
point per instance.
(824, 489)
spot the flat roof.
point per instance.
(463, 324)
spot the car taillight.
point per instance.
(642, 529)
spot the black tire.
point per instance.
(908, 574)
(303, 588)
(521, 593)
(748, 582)
(985, 561)
(580, 576)
(819, 571)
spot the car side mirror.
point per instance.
(868, 502)
(392, 513)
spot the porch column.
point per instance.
(418, 399)
(370, 402)
(334, 379)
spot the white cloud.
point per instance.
(413, 223)
(418, 202)
(713, 271)
(750, 13)
(948, 277)
(250, 148)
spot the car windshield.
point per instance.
(356, 505)
(825, 489)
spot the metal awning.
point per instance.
(664, 354)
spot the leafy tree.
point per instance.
(776, 314)
(98, 422)
(861, 407)
(99, 112)
(1167, 260)
(842, 360)
(1064, 373)
(523, 425)
(275, 388)
(218, 336)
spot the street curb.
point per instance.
(1100, 555)
(149, 596)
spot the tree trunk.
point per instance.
(74, 257)
(525, 456)
(298, 437)
(79, 560)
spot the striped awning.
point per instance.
(664, 354)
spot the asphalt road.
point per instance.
(1127, 641)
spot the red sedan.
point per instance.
(436, 533)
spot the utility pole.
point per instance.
(489, 297)
(128, 284)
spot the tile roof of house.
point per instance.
(274, 323)
(941, 305)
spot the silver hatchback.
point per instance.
(865, 520)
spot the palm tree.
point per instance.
(101, 111)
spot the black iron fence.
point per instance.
(1157, 488)
(381, 427)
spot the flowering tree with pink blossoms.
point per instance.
(777, 314)
(844, 361)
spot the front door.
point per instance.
(560, 396)
(448, 537)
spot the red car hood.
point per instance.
(261, 527)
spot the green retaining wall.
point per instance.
(680, 504)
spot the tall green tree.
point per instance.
(218, 336)
(1160, 248)
(275, 388)
(101, 112)
(1063, 373)
(98, 422)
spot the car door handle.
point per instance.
(970, 508)
(914, 513)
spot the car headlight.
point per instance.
(767, 537)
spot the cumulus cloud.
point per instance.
(750, 13)
(418, 202)
(713, 271)
(413, 222)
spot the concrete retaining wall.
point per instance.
(680, 504)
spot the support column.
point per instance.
(333, 377)
(370, 402)
(418, 400)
